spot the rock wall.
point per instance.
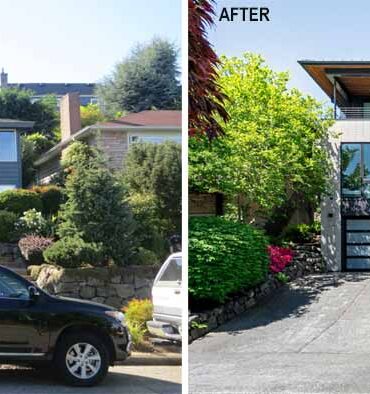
(307, 260)
(113, 286)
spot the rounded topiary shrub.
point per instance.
(19, 201)
(8, 231)
(224, 258)
(74, 252)
(52, 197)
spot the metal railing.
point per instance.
(345, 113)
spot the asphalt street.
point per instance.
(312, 336)
(128, 379)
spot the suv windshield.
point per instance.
(12, 287)
(173, 272)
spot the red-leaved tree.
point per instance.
(205, 96)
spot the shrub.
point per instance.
(8, 231)
(96, 209)
(279, 258)
(155, 169)
(145, 257)
(301, 233)
(52, 197)
(74, 252)
(224, 258)
(19, 201)
(32, 248)
(32, 222)
(138, 311)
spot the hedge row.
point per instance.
(45, 199)
(224, 258)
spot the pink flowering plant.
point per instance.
(279, 257)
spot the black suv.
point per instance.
(81, 338)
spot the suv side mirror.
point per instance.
(33, 292)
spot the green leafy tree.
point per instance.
(146, 79)
(32, 145)
(96, 210)
(273, 150)
(17, 104)
(91, 114)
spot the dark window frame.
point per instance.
(363, 180)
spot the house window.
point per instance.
(8, 146)
(355, 159)
(154, 139)
(6, 187)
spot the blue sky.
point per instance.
(78, 40)
(315, 29)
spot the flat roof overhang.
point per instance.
(15, 124)
(352, 78)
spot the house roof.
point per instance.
(352, 77)
(15, 124)
(148, 118)
(59, 89)
(162, 120)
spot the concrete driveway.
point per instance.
(310, 337)
(128, 379)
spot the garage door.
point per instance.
(357, 244)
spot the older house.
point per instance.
(10, 152)
(113, 137)
(345, 212)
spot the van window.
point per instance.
(173, 271)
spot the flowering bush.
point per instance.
(279, 257)
(32, 248)
(32, 222)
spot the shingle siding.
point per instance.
(114, 144)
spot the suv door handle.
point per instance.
(177, 291)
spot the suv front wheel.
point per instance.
(82, 360)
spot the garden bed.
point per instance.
(307, 260)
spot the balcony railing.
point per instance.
(353, 113)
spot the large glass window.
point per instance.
(351, 170)
(8, 146)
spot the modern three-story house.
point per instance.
(345, 211)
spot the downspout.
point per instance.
(335, 98)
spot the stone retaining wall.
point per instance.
(113, 286)
(307, 260)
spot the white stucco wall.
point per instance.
(345, 131)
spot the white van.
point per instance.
(166, 297)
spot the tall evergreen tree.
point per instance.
(146, 79)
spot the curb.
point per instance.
(153, 359)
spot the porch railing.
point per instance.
(345, 113)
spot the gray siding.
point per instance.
(11, 172)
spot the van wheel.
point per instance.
(82, 360)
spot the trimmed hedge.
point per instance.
(224, 258)
(8, 231)
(73, 253)
(52, 197)
(19, 201)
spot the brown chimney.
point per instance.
(70, 118)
